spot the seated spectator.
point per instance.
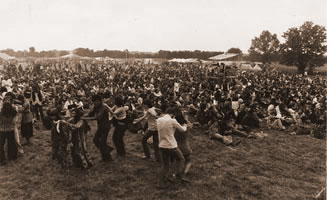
(251, 118)
(201, 115)
(274, 119)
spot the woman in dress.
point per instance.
(80, 128)
(27, 117)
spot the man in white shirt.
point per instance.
(166, 126)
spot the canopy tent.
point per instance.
(183, 60)
(245, 66)
(207, 62)
(6, 56)
(150, 61)
(257, 67)
(223, 56)
(248, 66)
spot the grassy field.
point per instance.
(279, 166)
(293, 69)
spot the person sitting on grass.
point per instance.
(202, 114)
(229, 127)
(214, 134)
(251, 119)
(274, 119)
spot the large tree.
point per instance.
(264, 48)
(304, 46)
(235, 50)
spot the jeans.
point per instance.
(166, 154)
(12, 148)
(100, 141)
(118, 138)
(145, 138)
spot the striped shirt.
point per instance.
(7, 124)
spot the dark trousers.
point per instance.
(100, 141)
(146, 149)
(12, 147)
(166, 154)
(118, 138)
(27, 130)
(38, 111)
(54, 142)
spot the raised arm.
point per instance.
(178, 126)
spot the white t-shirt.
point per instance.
(166, 129)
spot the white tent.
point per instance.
(257, 67)
(183, 60)
(223, 56)
(6, 56)
(246, 66)
(207, 62)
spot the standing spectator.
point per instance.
(37, 99)
(8, 124)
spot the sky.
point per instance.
(150, 25)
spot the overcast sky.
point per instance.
(149, 25)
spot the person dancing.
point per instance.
(151, 116)
(100, 113)
(119, 112)
(27, 117)
(79, 129)
(8, 124)
(168, 146)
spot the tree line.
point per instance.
(304, 46)
(113, 53)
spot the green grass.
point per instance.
(278, 166)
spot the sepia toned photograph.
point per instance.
(163, 99)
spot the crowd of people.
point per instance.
(165, 101)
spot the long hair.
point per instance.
(8, 110)
(119, 101)
(79, 113)
(180, 117)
